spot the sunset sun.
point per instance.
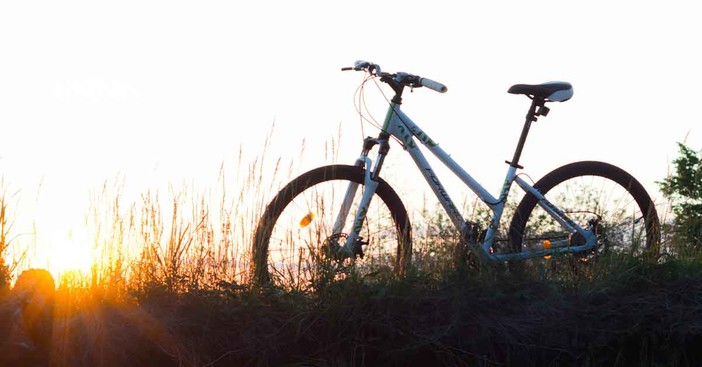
(69, 252)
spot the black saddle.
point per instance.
(550, 92)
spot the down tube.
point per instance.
(436, 186)
(404, 121)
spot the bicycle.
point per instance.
(322, 214)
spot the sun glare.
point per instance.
(68, 252)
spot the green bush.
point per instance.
(684, 190)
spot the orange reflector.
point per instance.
(547, 245)
(306, 220)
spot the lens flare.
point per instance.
(306, 220)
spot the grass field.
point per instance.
(171, 286)
(630, 313)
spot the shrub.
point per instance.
(684, 190)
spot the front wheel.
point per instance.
(595, 195)
(294, 243)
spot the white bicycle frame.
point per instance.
(399, 125)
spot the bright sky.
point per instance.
(160, 92)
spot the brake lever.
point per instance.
(360, 65)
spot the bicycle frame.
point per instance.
(400, 126)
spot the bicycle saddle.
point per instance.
(550, 92)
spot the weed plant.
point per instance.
(7, 264)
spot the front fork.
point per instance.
(353, 242)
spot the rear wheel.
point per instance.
(294, 246)
(592, 194)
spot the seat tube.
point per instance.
(530, 117)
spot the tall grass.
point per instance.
(186, 238)
(172, 286)
(4, 242)
(187, 241)
(10, 256)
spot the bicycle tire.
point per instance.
(612, 234)
(308, 190)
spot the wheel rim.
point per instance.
(302, 245)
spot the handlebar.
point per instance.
(399, 79)
(433, 85)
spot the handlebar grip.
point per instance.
(435, 86)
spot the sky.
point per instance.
(159, 93)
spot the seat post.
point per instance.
(537, 109)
